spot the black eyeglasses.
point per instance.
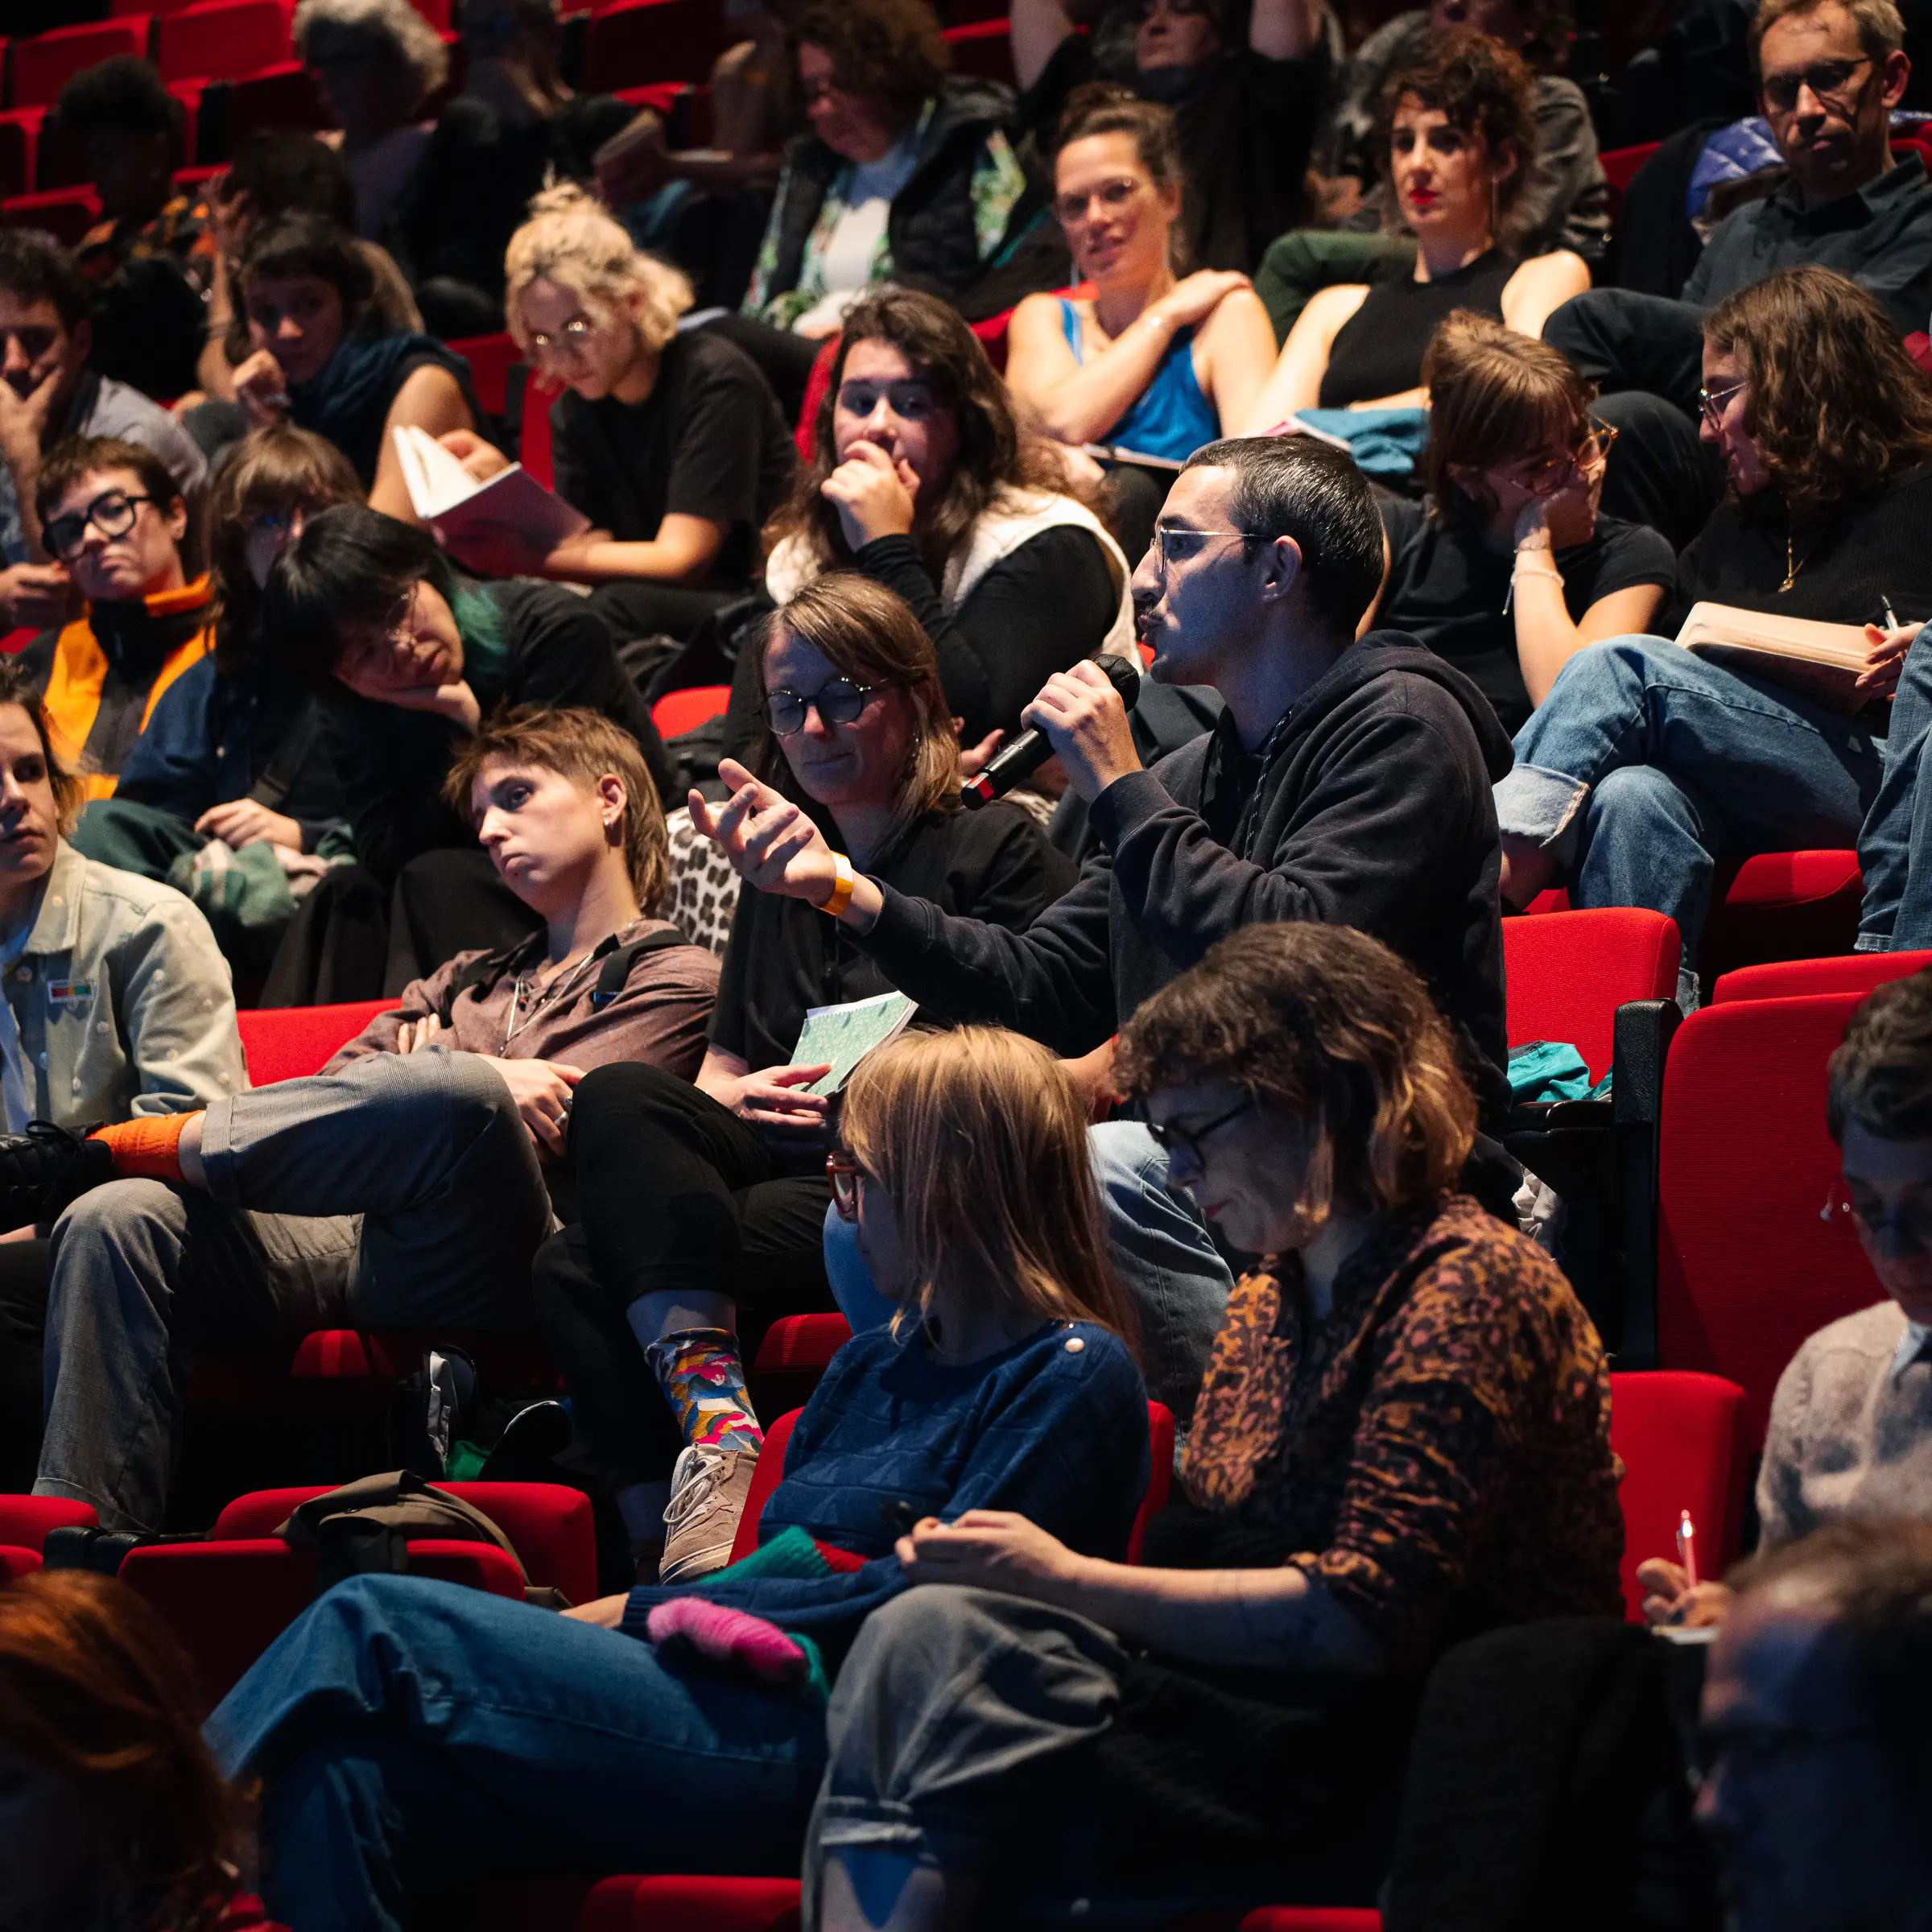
(1828, 79)
(837, 701)
(1187, 1140)
(112, 513)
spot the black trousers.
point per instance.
(1621, 339)
(26, 1272)
(675, 1193)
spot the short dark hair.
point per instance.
(124, 95)
(891, 50)
(35, 267)
(282, 172)
(1298, 487)
(298, 243)
(1881, 1074)
(70, 460)
(350, 567)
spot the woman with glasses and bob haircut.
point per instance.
(1509, 569)
(1647, 764)
(697, 1200)
(1402, 1439)
(666, 1729)
(670, 441)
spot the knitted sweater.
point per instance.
(1054, 1427)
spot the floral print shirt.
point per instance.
(1435, 1451)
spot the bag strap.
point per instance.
(285, 762)
(614, 975)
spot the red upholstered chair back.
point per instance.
(45, 63)
(289, 1042)
(25, 1520)
(490, 359)
(222, 39)
(1746, 1267)
(805, 432)
(1569, 971)
(1680, 1437)
(1794, 979)
(533, 449)
(664, 1902)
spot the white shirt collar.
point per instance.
(1911, 1345)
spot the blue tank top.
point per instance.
(1170, 417)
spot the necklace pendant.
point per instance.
(1788, 582)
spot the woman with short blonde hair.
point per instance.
(669, 441)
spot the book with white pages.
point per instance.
(1820, 661)
(469, 517)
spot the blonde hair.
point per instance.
(980, 1140)
(571, 239)
(584, 746)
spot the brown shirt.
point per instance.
(660, 1016)
(1436, 1452)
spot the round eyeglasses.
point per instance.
(112, 513)
(837, 701)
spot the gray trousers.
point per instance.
(959, 1715)
(403, 1190)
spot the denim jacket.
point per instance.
(123, 999)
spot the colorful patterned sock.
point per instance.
(148, 1147)
(702, 1378)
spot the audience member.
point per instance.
(1155, 362)
(1402, 1439)
(1507, 570)
(405, 1184)
(1648, 763)
(1460, 134)
(515, 125)
(376, 62)
(275, 171)
(906, 174)
(1347, 782)
(407, 658)
(150, 258)
(116, 1814)
(1850, 1433)
(1565, 199)
(232, 757)
(1813, 1738)
(1245, 103)
(922, 479)
(668, 439)
(1829, 74)
(324, 359)
(49, 391)
(112, 519)
(670, 1730)
(697, 1200)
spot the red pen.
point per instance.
(1687, 1548)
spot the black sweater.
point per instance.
(1369, 806)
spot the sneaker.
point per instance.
(708, 1489)
(44, 1169)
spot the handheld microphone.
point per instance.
(1033, 747)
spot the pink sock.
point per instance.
(727, 1637)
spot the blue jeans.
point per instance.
(1161, 1249)
(414, 1735)
(1897, 916)
(1645, 764)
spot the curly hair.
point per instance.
(571, 239)
(1880, 1075)
(1481, 89)
(890, 50)
(994, 452)
(1326, 1027)
(1835, 405)
(391, 30)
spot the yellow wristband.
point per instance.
(843, 879)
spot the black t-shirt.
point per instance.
(785, 957)
(708, 441)
(1448, 592)
(1849, 563)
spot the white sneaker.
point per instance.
(708, 1489)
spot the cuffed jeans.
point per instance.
(414, 1735)
(403, 1190)
(1896, 915)
(1645, 764)
(1160, 1247)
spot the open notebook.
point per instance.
(1822, 660)
(469, 517)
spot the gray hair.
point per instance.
(394, 26)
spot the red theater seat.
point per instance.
(491, 359)
(678, 711)
(791, 1357)
(289, 1042)
(222, 39)
(1680, 1437)
(45, 63)
(281, 96)
(19, 140)
(534, 437)
(983, 47)
(1311, 1918)
(665, 1903)
(1794, 979)
(652, 40)
(1782, 905)
(25, 1520)
(67, 213)
(15, 1563)
(1747, 1266)
(1567, 972)
(382, 1356)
